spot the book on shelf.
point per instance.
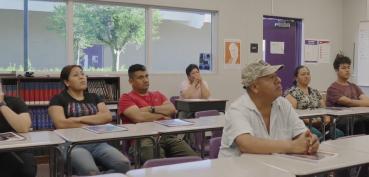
(174, 122)
(318, 156)
(10, 136)
(105, 128)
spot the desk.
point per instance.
(335, 114)
(235, 167)
(201, 124)
(346, 158)
(76, 136)
(352, 112)
(37, 139)
(356, 143)
(313, 113)
(194, 105)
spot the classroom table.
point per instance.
(353, 143)
(336, 113)
(345, 158)
(36, 140)
(350, 114)
(235, 167)
(313, 113)
(77, 136)
(195, 105)
(202, 124)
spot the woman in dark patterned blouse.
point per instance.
(302, 96)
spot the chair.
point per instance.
(214, 145)
(199, 114)
(173, 101)
(198, 136)
(170, 161)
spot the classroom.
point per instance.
(102, 87)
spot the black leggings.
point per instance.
(17, 164)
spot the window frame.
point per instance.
(148, 31)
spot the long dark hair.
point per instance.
(296, 73)
(64, 74)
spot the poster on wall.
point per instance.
(205, 62)
(317, 51)
(363, 54)
(232, 53)
(276, 47)
(93, 57)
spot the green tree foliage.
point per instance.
(114, 26)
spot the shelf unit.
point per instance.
(37, 91)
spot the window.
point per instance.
(47, 35)
(107, 36)
(11, 35)
(183, 38)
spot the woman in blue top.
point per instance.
(301, 96)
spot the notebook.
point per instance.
(321, 155)
(174, 122)
(10, 136)
(106, 128)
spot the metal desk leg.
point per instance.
(56, 160)
(322, 127)
(348, 122)
(52, 162)
(203, 144)
(157, 147)
(137, 154)
(352, 122)
(69, 161)
(333, 129)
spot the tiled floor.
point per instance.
(43, 170)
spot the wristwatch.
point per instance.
(2, 104)
(152, 109)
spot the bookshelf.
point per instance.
(37, 91)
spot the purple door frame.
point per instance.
(276, 29)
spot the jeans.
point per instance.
(85, 158)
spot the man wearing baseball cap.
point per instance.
(261, 121)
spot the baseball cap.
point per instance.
(257, 69)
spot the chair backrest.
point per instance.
(206, 113)
(214, 146)
(199, 114)
(170, 161)
(173, 99)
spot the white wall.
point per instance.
(354, 11)
(242, 19)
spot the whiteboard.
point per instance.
(363, 54)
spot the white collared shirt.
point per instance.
(243, 117)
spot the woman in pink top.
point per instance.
(194, 87)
